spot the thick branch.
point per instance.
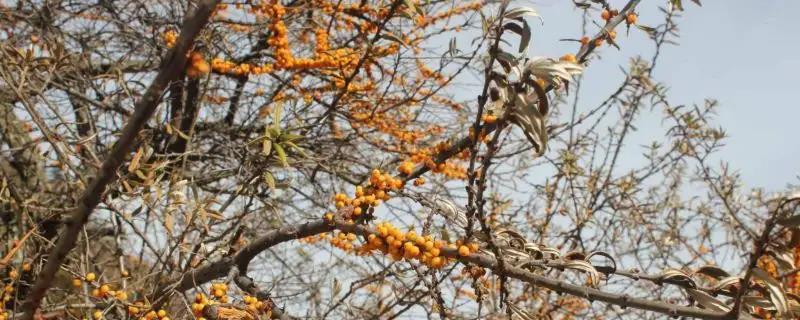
(144, 109)
(221, 267)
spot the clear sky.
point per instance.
(745, 54)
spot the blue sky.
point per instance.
(745, 54)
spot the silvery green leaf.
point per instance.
(269, 179)
(281, 155)
(277, 113)
(521, 12)
(524, 31)
(552, 70)
(526, 115)
(506, 60)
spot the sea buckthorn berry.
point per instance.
(104, 289)
(584, 40)
(598, 42)
(612, 34)
(133, 310)
(419, 181)
(473, 247)
(90, 276)
(489, 118)
(77, 282)
(406, 167)
(631, 18)
(606, 15)
(463, 251)
(569, 58)
(97, 314)
(357, 211)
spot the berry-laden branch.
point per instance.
(144, 109)
(221, 267)
(582, 56)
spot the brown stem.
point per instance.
(144, 109)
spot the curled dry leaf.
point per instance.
(707, 301)
(585, 267)
(776, 293)
(449, 211)
(605, 269)
(678, 277)
(712, 271)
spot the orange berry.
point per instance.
(489, 118)
(104, 289)
(76, 282)
(598, 42)
(612, 34)
(90, 276)
(463, 251)
(584, 40)
(606, 15)
(631, 18)
(133, 310)
(569, 58)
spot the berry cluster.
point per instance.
(409, 245)
(197, 65)
(170, 37)
(371, 195)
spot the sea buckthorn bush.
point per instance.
(368, 160)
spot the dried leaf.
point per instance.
(450, 211)
(521, 313)
(586, 267)
(135, 161)
(604, 269)
(712, 271)
(776, 293)
(707, 301)
(677, 277)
